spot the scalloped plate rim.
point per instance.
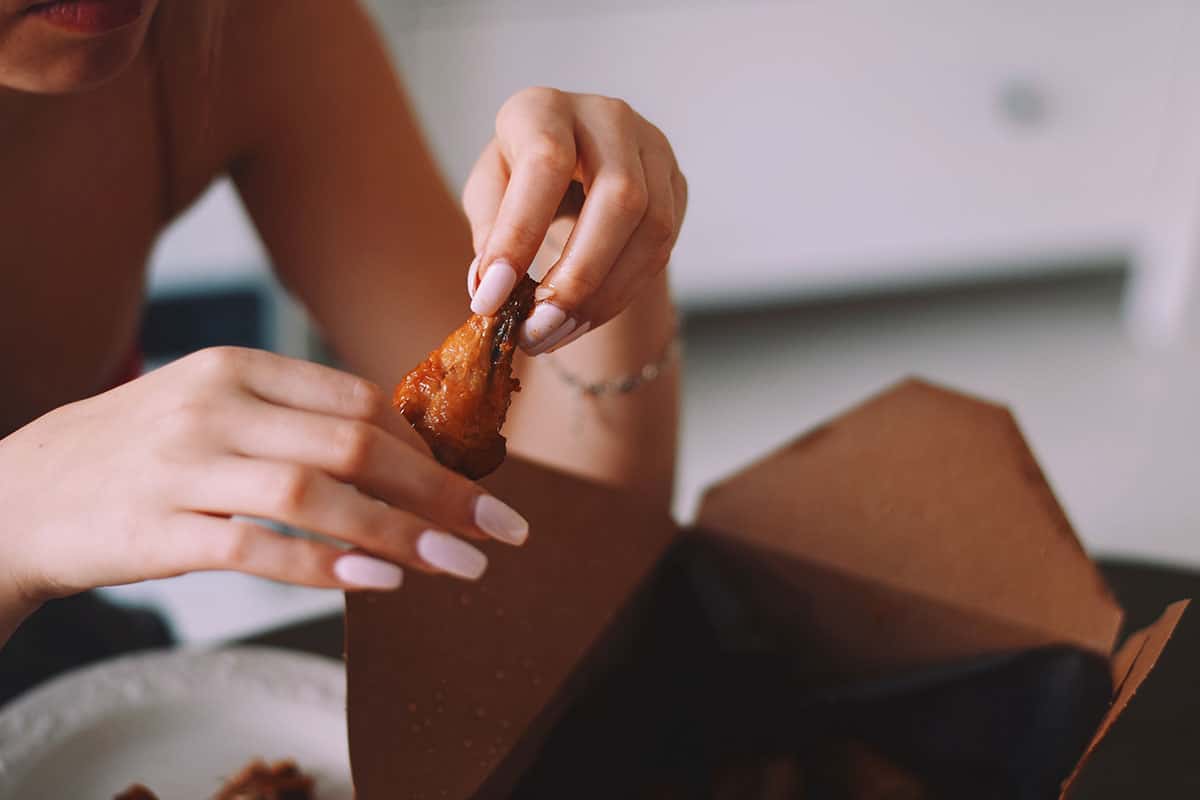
(69, 703)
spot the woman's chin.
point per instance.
(51, 61)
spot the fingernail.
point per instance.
(494, 288)
(472, 275)
(500, 521)
(556, 337)
(367, 572)
(451, 555)
(575, 334)
(545, 320)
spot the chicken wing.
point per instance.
(458, 396)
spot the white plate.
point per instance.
(177, 721)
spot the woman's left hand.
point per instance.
(633, 206)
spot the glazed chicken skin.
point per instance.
(458, 396)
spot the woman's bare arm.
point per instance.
(362, 229)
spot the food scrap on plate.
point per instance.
(258, 780)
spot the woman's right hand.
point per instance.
(151, 479)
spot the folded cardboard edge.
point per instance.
(987, 634)
(1133, 663)
(504, 780)
(1096, 631)
(1105, 602)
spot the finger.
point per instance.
(204, 542)
(617, 201)
(538, 143)
(299, 384)
(310, 500)
(482, 196)
(647, 252)
(679, 186)
(289, 381)
(367, 456)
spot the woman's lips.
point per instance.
(88, 16)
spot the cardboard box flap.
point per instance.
(930, 493)
(1132, 664)
(844, 629)
(451, 686)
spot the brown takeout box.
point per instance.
(913, 532)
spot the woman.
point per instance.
(114, 116)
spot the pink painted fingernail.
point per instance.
(550, 341)
(575, 334)
(500, 521)
(451, 555)
(494, 288)
(472, 276)
(367, 573)
(545, 321)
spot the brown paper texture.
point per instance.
(452, 685)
